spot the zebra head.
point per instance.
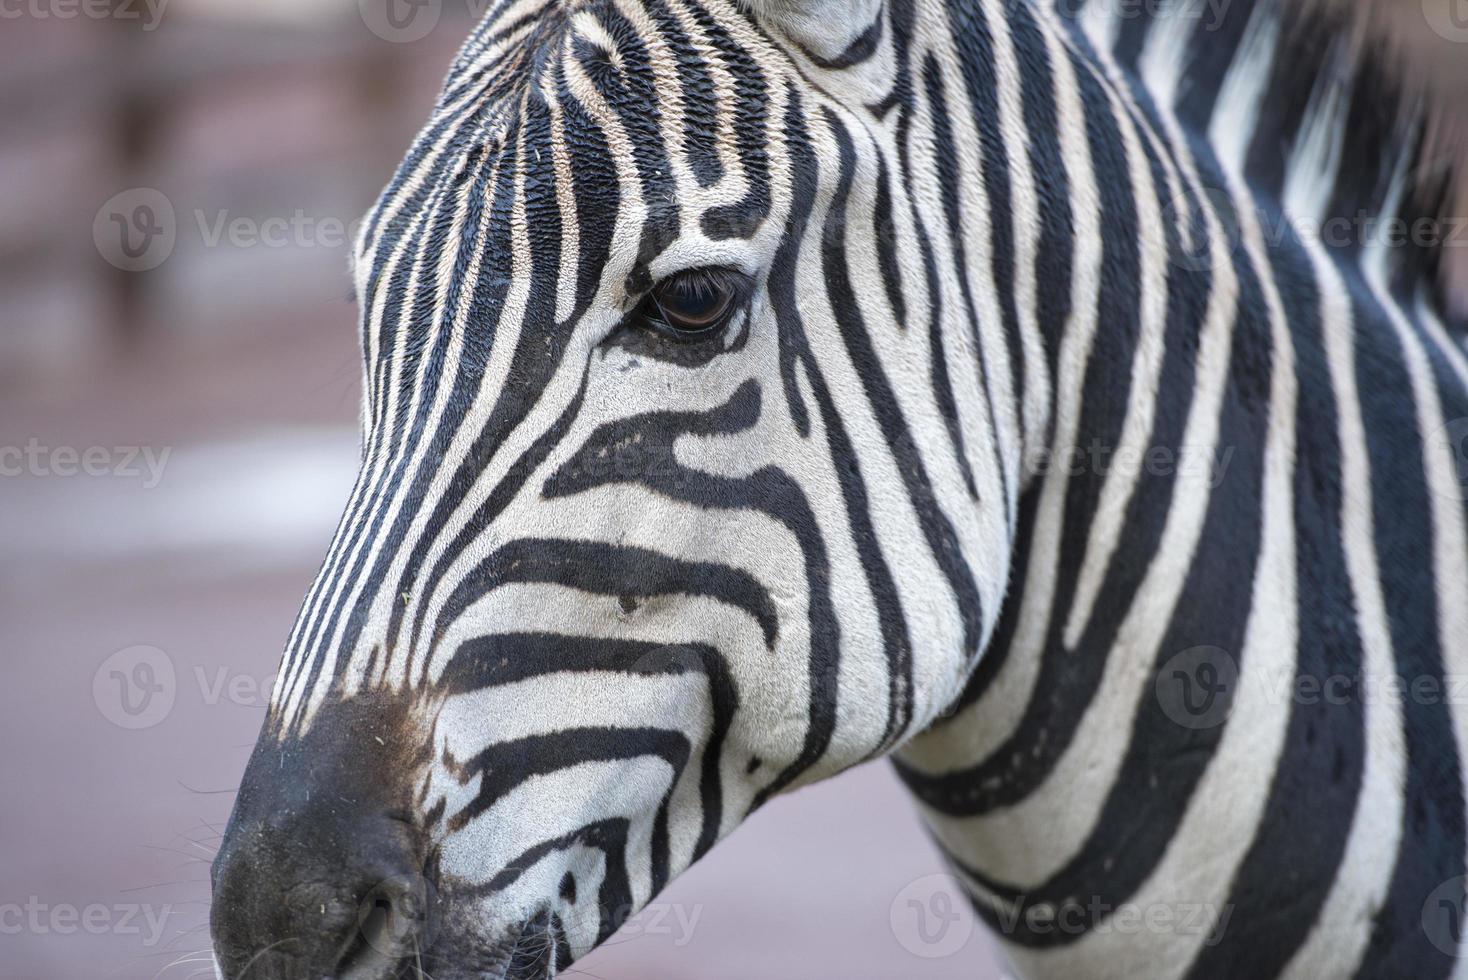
(688, 478)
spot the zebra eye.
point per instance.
(695, 304)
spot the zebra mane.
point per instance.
(1395, 67)
(1405, 149)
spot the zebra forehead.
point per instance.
(558, 115)
(616, 58)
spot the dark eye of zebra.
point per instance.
(695, 304)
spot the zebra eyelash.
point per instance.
(700, 285)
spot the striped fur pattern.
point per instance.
(1042, 452)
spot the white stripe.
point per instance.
(983, 726)
(1026, 221)
(1244, 88)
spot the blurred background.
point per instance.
(179, 182)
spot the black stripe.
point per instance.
(1068, 682)
(795, 351)
(1431, 852)
(937, 529)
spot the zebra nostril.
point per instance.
(392, 927)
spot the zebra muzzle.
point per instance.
(294, 902)
(322, 871)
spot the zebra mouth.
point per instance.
(535, 951)
(532, 955)
(535, 954)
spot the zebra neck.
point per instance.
(1204, 363)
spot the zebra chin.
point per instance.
(330, 868)
(533, 951)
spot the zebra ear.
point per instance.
(836, 33)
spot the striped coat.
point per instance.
(1053, 396)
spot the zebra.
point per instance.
(754, 390)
